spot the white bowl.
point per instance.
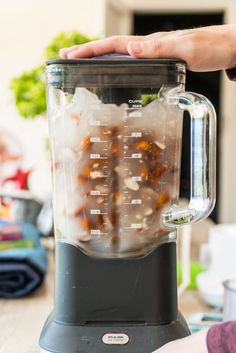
(211, 289)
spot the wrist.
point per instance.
(232, 46)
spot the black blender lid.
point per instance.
(116, 59)
(114, 70)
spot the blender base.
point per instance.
(60, 338)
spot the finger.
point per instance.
(117, 44)
(85, 50)
(155, 48)
(64, 51)
(114, 43)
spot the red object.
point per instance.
(222, 338)
(20, 179)
(10, 233)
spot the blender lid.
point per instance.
(116, 59)
(114, 70)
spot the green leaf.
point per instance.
(29, 93)
(29, 87)
(64, 40)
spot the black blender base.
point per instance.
(60, 338)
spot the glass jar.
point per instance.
(116, 139)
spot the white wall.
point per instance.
(26, 27)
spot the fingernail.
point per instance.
(63, 53)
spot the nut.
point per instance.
(131, 184)
(143, 145)
(162, 199)
(75, 116)
(79, 211)
(85, 175)
(100, 200)
(157, 173)
(160, 145)
(117, 197)
(99, 223)
(115, 149)
(86, 144)
(86, 224)
(84, 237)
(144, 172)
(148, 211)
(115, 240)
(113, 217)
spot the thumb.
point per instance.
(154, 48)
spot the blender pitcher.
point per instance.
(116, 132)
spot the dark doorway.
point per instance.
(207, 84)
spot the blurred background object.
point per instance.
(218, 258)
(25, 175)
(23, 260)
(230, 299)
(10, 154)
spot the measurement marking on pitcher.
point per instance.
(97, 140)
(136, 178)
(134, 202)
(97, 123)
(97, 232)
(95, 175)
(134, 134)
(134, 226)
(134, 156)
(96, 156)
(135, 114)
(96, 211)
(97, 193)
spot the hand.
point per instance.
(204, 49)
(195, 343)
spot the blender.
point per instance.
(116, 129)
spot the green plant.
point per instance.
(195, 269)
(148, 98)
(29, 88)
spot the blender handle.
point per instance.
(203, 160)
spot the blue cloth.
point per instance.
(22, 270)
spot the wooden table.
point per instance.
(21, 320)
